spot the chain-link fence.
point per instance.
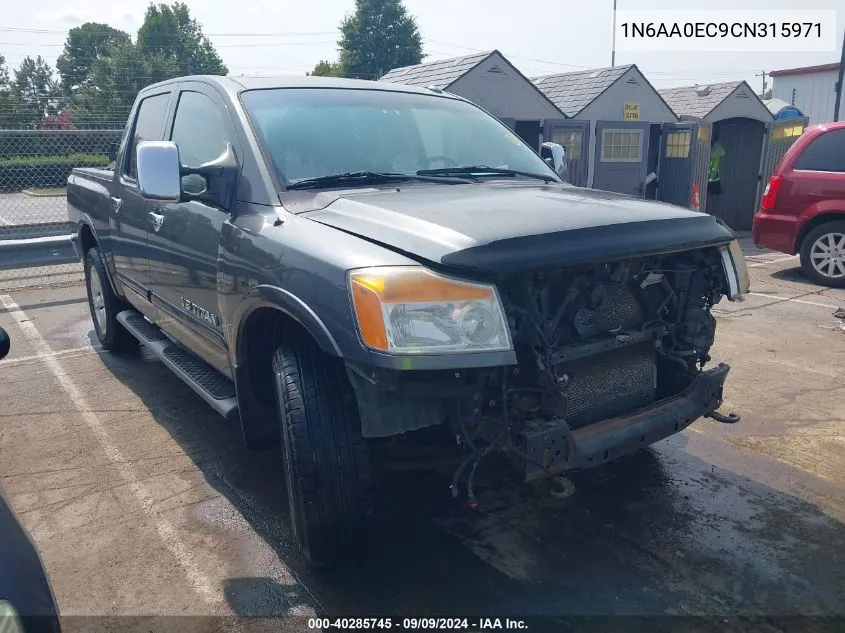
(34, 167)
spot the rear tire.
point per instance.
(326, 459)
(821, 246)
(105, 306)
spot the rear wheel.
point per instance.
(326, 459)
(105, 306)
(823, 254)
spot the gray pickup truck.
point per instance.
(334, 263)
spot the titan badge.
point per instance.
(200, 312)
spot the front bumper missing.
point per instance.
(556, 448)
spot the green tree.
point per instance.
(7, 118)
(326, 69)
(174, 42)
(169, 44)
(4, 74)
(34, 91)
(378, 36)
(106, 99)
(84, 45)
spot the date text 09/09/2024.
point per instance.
(417, 624)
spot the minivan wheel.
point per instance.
(104, 306)
(823, 254)
(326, 459)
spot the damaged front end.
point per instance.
(610, 358)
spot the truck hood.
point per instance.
(501, 228)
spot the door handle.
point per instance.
(157, 219)
(116, 204)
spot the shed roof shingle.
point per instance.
(572, 92)
(698, 101)
(440, 74)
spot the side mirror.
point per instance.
(555, 157)
(160, 175)
(113, 147)
(221, 179)
(158, 171)
(5, 343)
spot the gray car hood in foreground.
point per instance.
(500, 228)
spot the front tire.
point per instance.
(326, 459)
(105, 306)
(823, 254)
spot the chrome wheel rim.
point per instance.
(828, 255)
(98, 302)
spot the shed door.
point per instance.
(621, 156)
(782, 134)
(684, 156)
(574, 137)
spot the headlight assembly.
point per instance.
(412, 310)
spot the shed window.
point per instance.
(570, 139)
(678, 144)
(788, 131)
(622, 146)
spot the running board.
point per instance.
(207, 382)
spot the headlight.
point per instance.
(10, 621)
(736, 271)
(411, 310)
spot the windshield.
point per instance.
(310, 133)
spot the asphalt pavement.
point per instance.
(143, 504)
(20, 208)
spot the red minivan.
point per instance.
(803, 206)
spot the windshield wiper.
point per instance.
(355, 177)
(482, 170)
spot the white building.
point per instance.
(812, 89)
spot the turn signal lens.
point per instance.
(412, 310)
(736, 271)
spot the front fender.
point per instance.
(266, 296)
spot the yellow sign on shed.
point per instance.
(631, 112)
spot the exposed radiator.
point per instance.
(609, 384)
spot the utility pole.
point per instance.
(838, 101)
(613, 43)
(763, 74)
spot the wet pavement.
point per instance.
(141, 501)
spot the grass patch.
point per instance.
(45, 192)
(50, 161)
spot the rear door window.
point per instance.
(825, 153)
(148, 127)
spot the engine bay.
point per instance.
(597, 341)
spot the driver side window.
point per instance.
(200, 134)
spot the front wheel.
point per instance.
(823, 254)
(326, 459)
(105, 306)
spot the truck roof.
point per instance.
(236, 84)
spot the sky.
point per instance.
(539, 37)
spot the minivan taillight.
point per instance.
(770, 193)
